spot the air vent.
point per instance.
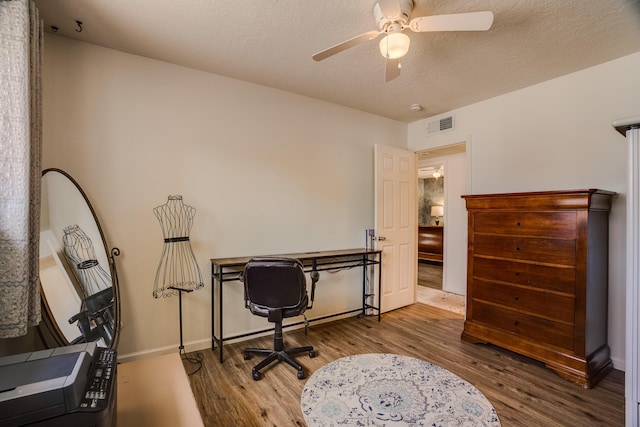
(439, 125)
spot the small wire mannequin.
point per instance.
(96, 318)
(178, 271)
(79, 250)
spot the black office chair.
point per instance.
(276, 288)
(96, 319)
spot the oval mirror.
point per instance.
(77, 272)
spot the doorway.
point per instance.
(431, 178)
(443, 279)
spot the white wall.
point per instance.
(552, 136)
(268, 172)
(455, 242)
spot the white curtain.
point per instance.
(20, 165)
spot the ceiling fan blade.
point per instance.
(390, 8)
(392, 69)
(473, 21)
(324, 54)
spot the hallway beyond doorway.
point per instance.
(430, 289)
(430, 274)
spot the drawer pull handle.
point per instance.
(518, 224)
(517, 298)
(515, 323)
(517, 273)
(517, 248)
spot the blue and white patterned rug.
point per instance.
(392, 390)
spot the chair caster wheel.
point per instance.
(300, 375)
(246, 356)
(256, 375)
(312, 354)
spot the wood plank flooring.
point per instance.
(523, 392)
(430, 275)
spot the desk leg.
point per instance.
(213, 307)
(216, 278)
(221, 340)
(379, 286)
(365, 291)
(366, 261)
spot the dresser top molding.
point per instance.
(592, 199)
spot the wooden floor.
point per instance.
(430, 274)
(523, 392)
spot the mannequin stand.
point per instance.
(195, 360)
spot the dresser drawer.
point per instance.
(550, 224)
(524, 325)
(553, 251)
(557, 307)
(538, 276)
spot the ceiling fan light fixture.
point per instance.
(394, 45)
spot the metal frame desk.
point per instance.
(229, 269)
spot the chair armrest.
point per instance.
(315, 276)
(246, 297)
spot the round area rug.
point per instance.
(392, 390)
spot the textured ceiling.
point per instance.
(271, 42)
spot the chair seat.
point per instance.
(263, 311)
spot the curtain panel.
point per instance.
(21, 35)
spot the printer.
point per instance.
(65, 386)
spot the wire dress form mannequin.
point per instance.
(79, 249)
(178, 269)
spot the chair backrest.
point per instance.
(275, 282)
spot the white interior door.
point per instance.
(396, 224)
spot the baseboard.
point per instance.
(188, 347)
(205, 344)
(618, 364)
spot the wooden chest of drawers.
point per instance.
(430, 243)
(537, 278)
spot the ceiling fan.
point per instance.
(392, 18)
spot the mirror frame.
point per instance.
(47, 316)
